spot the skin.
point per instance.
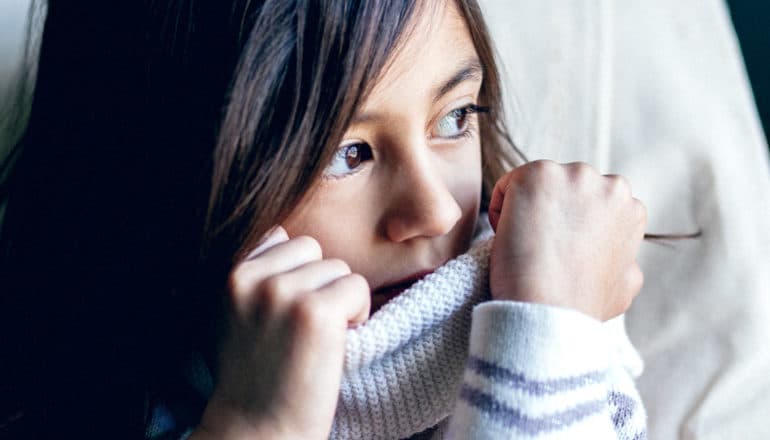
(566, 236)
(415, 204)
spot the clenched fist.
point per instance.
(280, 365)
(566, 236)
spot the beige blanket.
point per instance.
(657, 91)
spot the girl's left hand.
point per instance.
(567, 236)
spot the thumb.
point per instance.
(498, 196)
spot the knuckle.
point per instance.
(542, 164)
(273, 292)
(272, 285)
(310, 313)
(235, 281)
(582, 176)
(619, 185)
(581, 170)
(242, 281)
(543, 170)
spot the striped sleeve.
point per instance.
(543, 373)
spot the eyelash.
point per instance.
(469, 131)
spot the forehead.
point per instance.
(438, 43)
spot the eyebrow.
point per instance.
(469, 69)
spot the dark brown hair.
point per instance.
(122, 225)
(165, 138)
(286, 118)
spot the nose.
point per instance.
(422, 204)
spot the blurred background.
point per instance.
(708, 184)
(751, 19)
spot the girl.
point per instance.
(358, 148)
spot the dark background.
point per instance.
(752, 24)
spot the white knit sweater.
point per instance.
(542, 372)
(443, 360)
(441, 355)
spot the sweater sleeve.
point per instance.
(542, 372)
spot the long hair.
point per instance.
(165, 138)
(300, 109)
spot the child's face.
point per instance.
(402, 195)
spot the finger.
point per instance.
(279, 258)
(310, 276)
(618, 184)
(581, 167)
(274, 236)
(349, 295)
(542, 168)
(276, 293)
(496, 201)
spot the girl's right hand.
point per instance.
(280, 366)
(566, 236)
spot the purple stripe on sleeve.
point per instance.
(623, 408)
(513, 418)
(535, 387)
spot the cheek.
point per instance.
(466, 178)
(339, 217)
(461, 172)
(465, 182)
(343, 216)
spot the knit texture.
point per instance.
(545, 373)
(403, 365)
(534, 370)
(444, 361)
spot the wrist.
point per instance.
(223, 421)
(550, 291)
(537, 289)
(553, 340)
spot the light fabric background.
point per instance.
(12, 21)
(12, 39)
(655, 91)
(16, 56)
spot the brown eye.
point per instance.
(455, 123)
(348, 159)
(352, 156)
